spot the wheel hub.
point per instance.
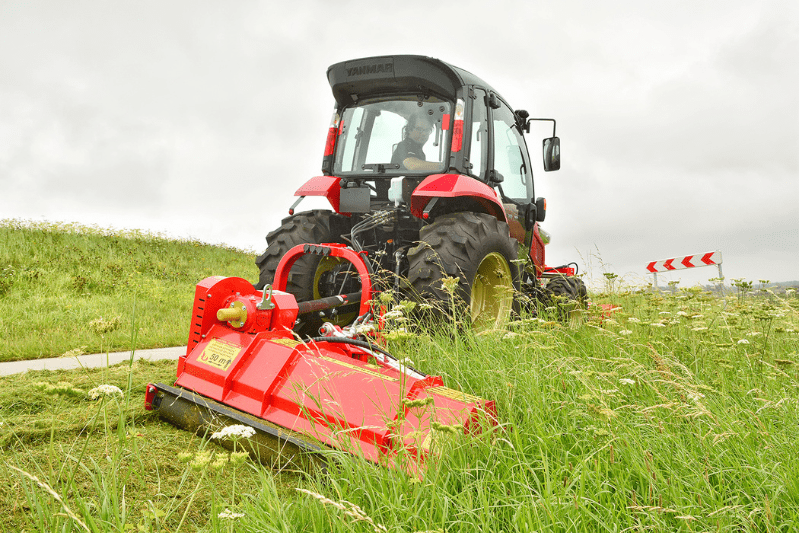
(492, 292)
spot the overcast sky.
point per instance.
(678, 120)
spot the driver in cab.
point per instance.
(408, 154)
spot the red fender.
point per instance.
(456, 186)
(327, 186)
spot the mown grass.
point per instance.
(678, 412)
(61, 283)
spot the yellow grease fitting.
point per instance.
(219, 354)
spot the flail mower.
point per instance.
(429, 178)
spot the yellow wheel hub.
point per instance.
(326, 264)
(492, 293)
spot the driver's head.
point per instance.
(419, 127)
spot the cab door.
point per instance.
(510, 167)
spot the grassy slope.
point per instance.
(61, 286)
(680, 413)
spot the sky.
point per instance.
(678, 120)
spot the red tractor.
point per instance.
(428, 174)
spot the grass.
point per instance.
(66, 282)
(679, 412)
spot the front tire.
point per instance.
(475, 249)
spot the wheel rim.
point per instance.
(326, 264)
(492, 292)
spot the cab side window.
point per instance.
(480, 136)
(511, 156)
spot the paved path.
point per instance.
(89, 361)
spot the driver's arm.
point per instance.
(418, 165)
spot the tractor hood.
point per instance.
(360, 78)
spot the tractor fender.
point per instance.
(456, 186)
(327, 186)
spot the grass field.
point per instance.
(67, 283)
(679, 412)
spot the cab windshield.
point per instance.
(394, 136)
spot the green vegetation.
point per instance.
(62, 283)
(672, 413)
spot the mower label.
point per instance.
(290, 343)
(359, 369)
(219, 354)
(453, 394)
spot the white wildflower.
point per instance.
(665, 313)
(633, 319)
(627, 381)
(227, 514)
(392, 315)
(699, 329)
(625, 332)
(362, 329)
(510, 335)
(104, 390)
(682, 313)
(696, 396)
(658, 325)
(696, 316)
(743, 341)
(608, 391)
(236, 431)
(754, 334)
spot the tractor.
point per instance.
(428, 174)
(429, 180)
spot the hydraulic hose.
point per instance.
(366, 345)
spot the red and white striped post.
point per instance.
(689, 261)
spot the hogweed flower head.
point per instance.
(101, 326)
(104, 390)
(227, 514)
(237, 431)
(449, 284)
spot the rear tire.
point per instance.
(566, 294)
(476, 249)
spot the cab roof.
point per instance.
(356, 79)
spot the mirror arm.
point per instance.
(528, 124)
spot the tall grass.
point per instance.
(662, 418)
(673, 412)
(60, 282)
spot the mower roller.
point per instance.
(245, 365)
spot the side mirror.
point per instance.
(552, 154)
(541, 209)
